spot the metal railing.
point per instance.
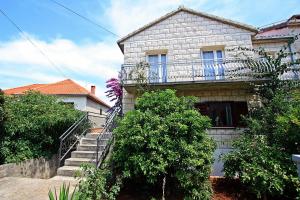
(225, 70)
(69, 139)
(110, 124)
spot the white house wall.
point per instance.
(80, 102)
(94, 107)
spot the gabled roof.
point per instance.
(198, 13)
(65, 87)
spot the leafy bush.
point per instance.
(265, 169)
(164, 141)
(33, 126)
(97, 184)
(262, 157)
(2, 118)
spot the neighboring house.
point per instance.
(69, 92)
(191, 52)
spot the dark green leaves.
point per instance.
(165, 136)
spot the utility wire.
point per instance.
(85, 18)
(32, 43)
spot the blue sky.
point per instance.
(88, 54)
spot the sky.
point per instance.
(88, 54)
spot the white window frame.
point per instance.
(160, 75)
(214, 52)
(215, 59)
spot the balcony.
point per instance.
(200, 71)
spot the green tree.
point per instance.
(262, 156)
(2, 119)
(33, 126)
(164, 142)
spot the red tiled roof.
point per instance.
(274, 33)
(65, 87)
(278, 30)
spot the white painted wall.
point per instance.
(80, 102)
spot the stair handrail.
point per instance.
(69, 138)
(114, 112)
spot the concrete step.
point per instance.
(84, 154)
(88, 141)
(78, 161)
(91, 135)
(67, 170)
(89, 147)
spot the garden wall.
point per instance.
(33, 168)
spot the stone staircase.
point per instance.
(84, 153)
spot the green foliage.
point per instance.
(97, 184)
(262, 156)
(1, 109)
(33, 126)
(266, 170)
(165, 137)
(2, 119)
(64, 193)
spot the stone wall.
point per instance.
(211, 93)
(223, 137)
(33, 168)
(182, 36)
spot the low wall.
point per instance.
(33, 168)
(223, 138)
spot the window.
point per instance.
(224, 114)
(213, 64)
(158, 68)
(100, 111)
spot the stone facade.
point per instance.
(182, 36)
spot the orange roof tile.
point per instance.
(65, 87)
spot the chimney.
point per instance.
(93, 89)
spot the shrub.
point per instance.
(2, 118)
(262, 157)
(97, 184)
(164, 141)
(266, 170)
(33, 126)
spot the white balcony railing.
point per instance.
(201, 71)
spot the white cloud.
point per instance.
(126, 16)
(24, 64)
(101, 59)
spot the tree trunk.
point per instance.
(163, 187)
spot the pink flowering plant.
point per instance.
(114, 89)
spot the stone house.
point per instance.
(197, 54)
